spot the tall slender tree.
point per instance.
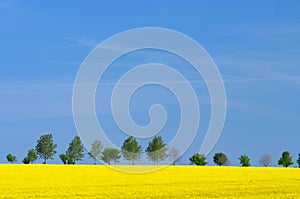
(45, 147)
(75, 150)
(157, 150)
(32, 156)
(131, 150)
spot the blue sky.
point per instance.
(255, 44)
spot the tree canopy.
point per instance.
(75, 150)
(157, 150)
(64, 158)
(198, 159)
(45, 147)
(110, 154)
(244, 160)
(11, 158)
(298, 161)
(131, 150)
(286, 159)
(32, 156)
(220, 159)
(26, 160)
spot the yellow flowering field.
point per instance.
(95, 181)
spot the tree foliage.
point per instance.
(64, 158)
(174, 155)
(45, 147)
(220, 159)
(198, 159)
(95, 151)
(110, 154)
(32, 156)
(265, 160)
(244, 160)
(157, 150)
(286, 159)
(131, 150)
(298, 161)
(75, 150)
(26, 160)
(11, 158)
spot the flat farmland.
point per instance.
(98, 181)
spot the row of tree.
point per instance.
(46, 149)
(221, 159)
(156, 151)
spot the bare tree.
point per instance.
(96, 150)
(265, 160)
(174, 155)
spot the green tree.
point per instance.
(32, 156)
(110, 154)
(286, 159)
(220, 159)
(95, 151)
(70, 161)
(26, 160)
(131, 150)
(64, 158)
(298, 161)
(75, 150)
(157, 150)
(244, 160)
(198, 159)
(11, 158)
(174, 155)
(45, 147)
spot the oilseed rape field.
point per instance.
(98, 181)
